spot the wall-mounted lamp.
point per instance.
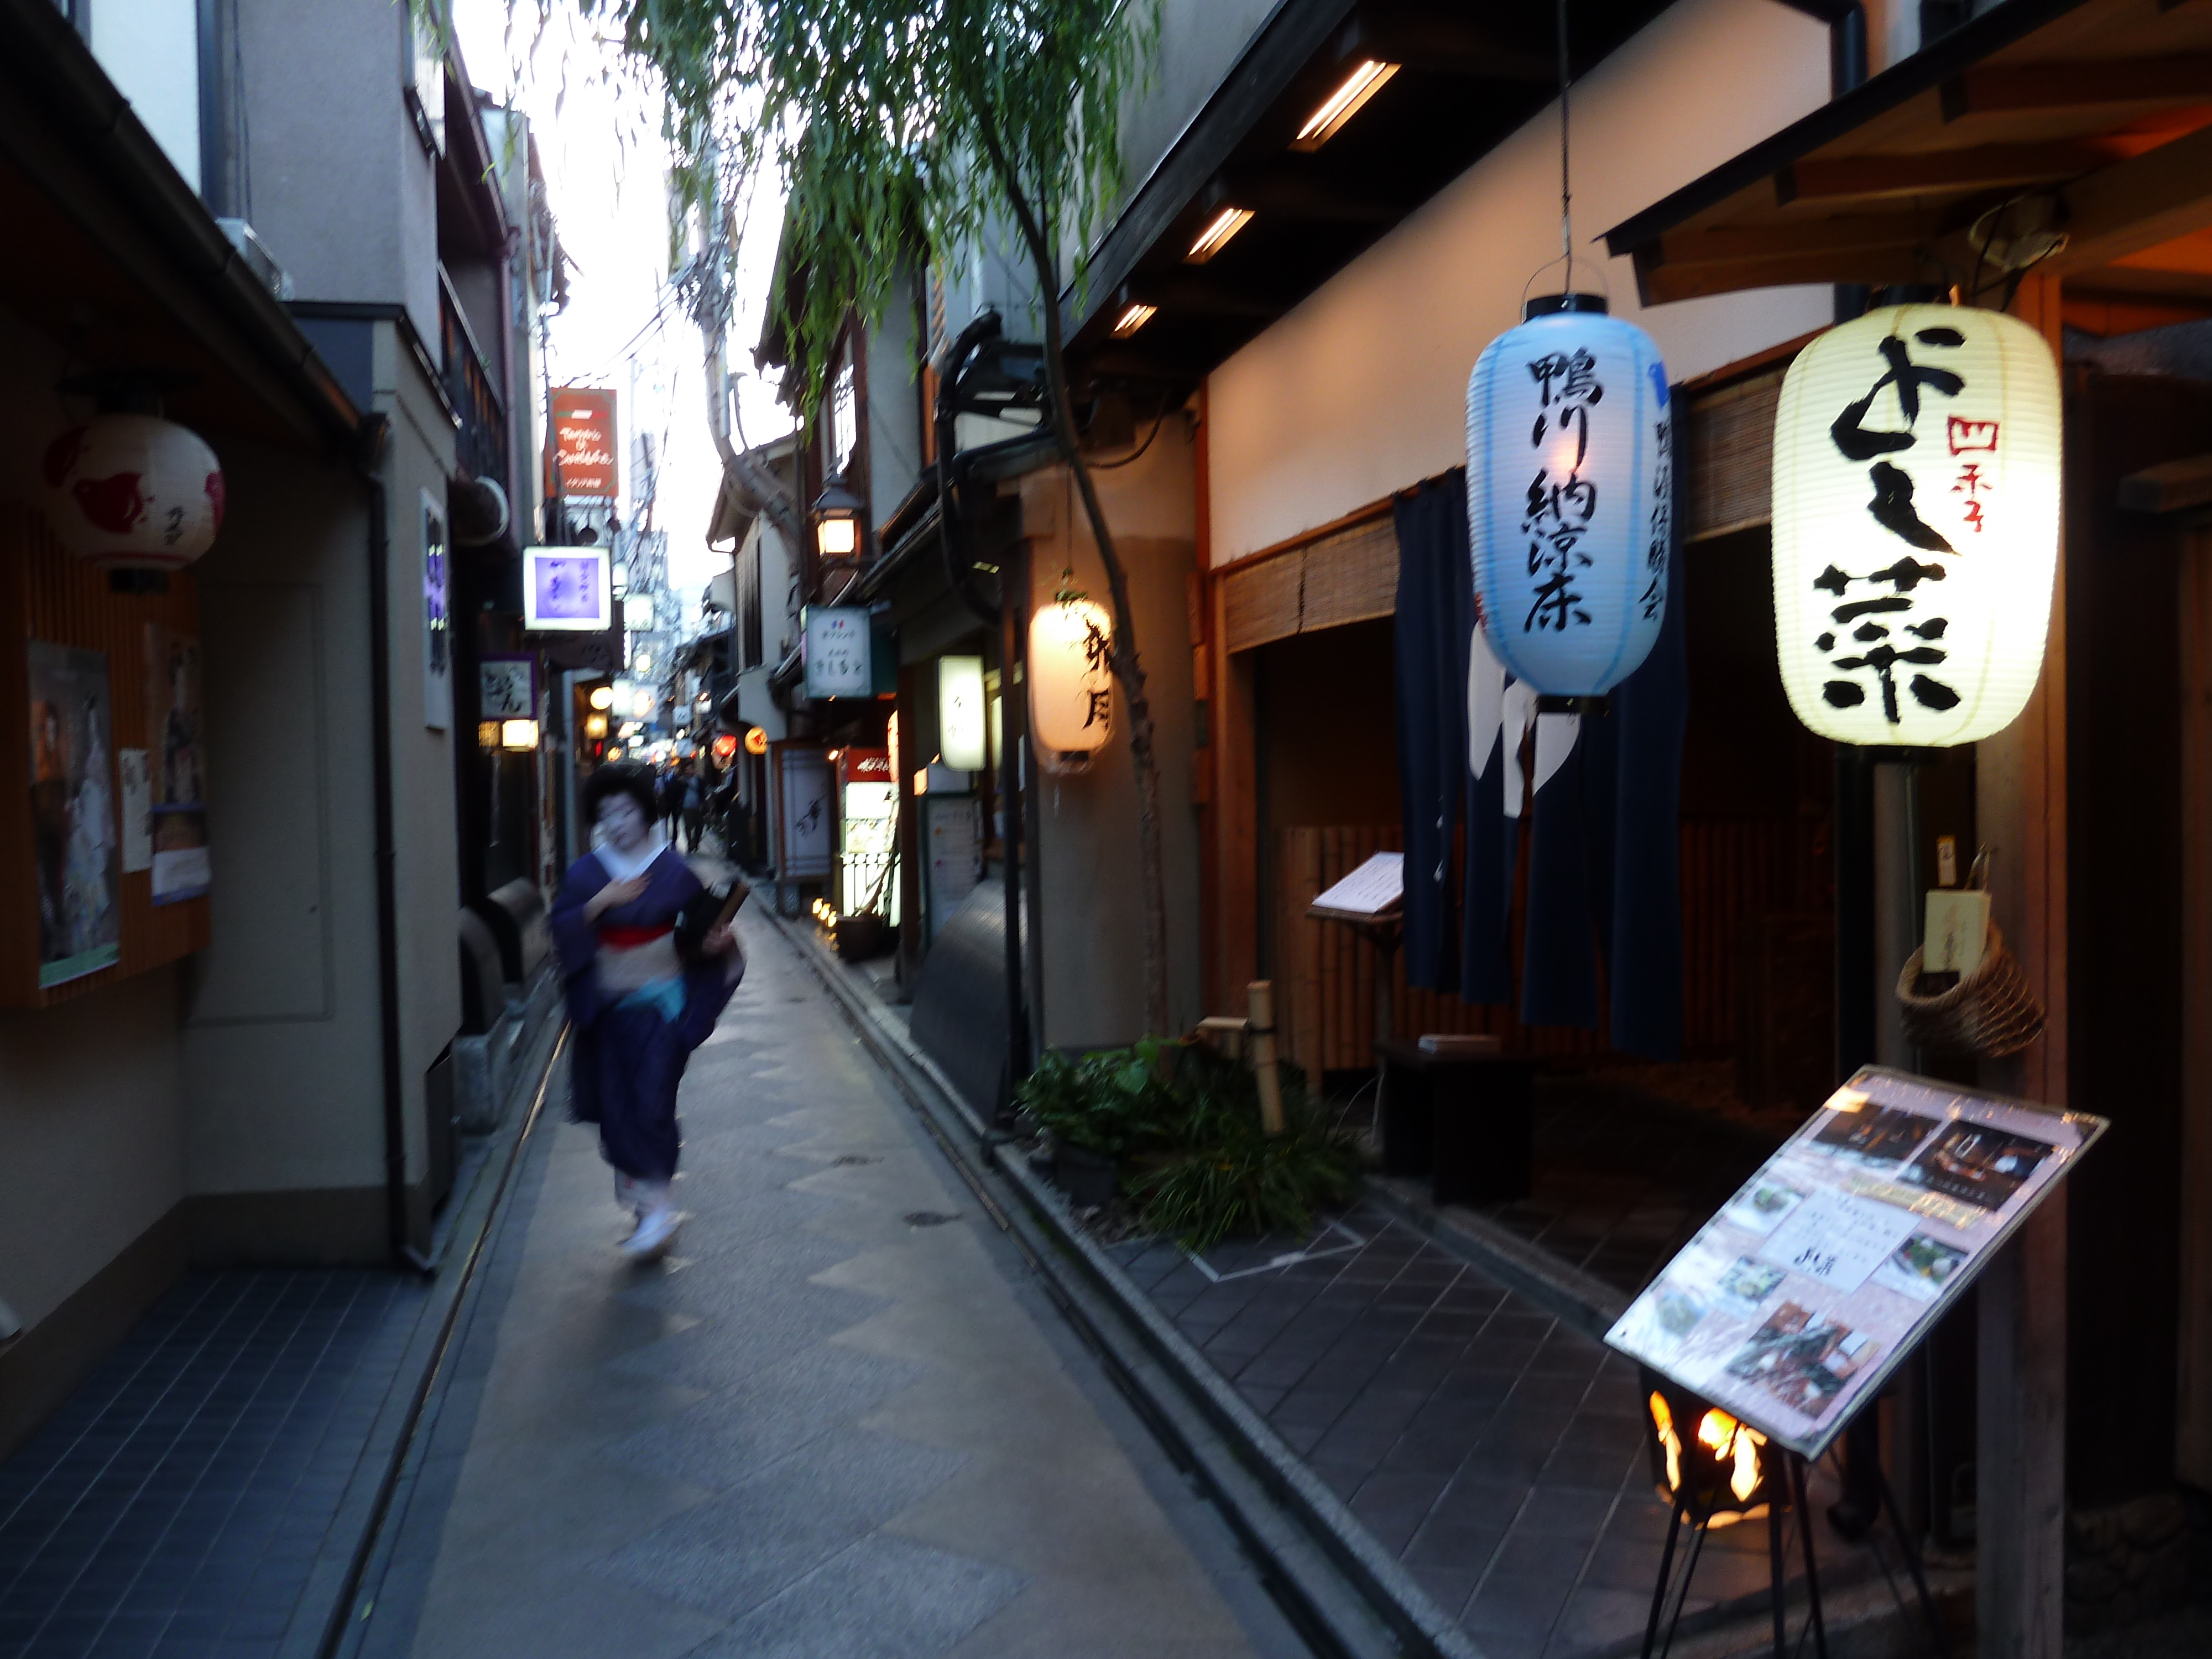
(518, 734)
(837, 520)
(1340, 106)
(1215, 237)
(1132, 317)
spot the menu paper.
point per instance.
(1375, 887)
(1794, 1304)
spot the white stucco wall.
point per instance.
(1361, 391)
(151, 50)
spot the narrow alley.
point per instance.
(839, 1420)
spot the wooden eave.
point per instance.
(1469, 77)
(2104, 106)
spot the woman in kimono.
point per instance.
(644, 986)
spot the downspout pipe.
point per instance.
(1847, 71)
(1011, 616)
(375, 433)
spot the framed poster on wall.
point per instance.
(75, 849)
(176, 790)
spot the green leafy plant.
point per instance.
(1113, 1101)
(1184, 1122)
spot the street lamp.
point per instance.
(837, 520)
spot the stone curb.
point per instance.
(324, 1616)
(1345, 1589)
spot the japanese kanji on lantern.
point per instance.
(134, 492)
(1570, 485)
(1916, 525)
(1071, 683)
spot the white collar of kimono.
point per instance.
(621, 865)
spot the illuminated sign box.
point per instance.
(568, 590)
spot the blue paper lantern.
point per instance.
(1570, 488)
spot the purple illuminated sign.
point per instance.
(566, 588)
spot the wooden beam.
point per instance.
(1784, 239)
(1990, 88)
(1289, 193)
(2137, 205)
(1866, 177)
(2168, 488)
(2193, 1425)
(1199, 296)
(1660, 284)
(1436, 45)
(2020, 809)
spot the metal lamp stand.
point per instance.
(1666, 1591)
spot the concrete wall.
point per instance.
(91, 1090)
(893, 417)
(1091, 919)
(337, 182)
(1199, 42)
(151, 50)
(1362, 390)
(285, 1148)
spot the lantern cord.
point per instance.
(1566, 184)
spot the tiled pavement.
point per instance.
(1623, 1178)
(1497, 1451)
(171, 1509)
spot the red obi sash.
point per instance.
(628, 938)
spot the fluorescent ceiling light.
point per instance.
(1132, 318)
(1340, 106)
(1223, 226)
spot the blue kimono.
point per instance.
(634, 1010)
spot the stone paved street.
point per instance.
(1495, 1450)
(840, 1422)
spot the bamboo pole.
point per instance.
(1259, 1004)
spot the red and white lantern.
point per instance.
(134, 492)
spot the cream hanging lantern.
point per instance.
(1916, 525)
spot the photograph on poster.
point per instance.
(1762, 1205)
(1802, 1358)
(1793, 1303)
(1877, 1136)
(77, 849)
(1746, 1284)
(1984, 1167)
(1920, 1267)
(177, 822)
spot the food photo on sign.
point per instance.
(1826, 1268)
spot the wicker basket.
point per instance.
(1989, 1014)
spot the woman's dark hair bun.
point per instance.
(621, 779)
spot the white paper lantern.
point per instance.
(960, 713)
(1916, 525)
(1071, 683)
(134, 492)
(1570, 485)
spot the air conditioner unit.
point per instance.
(259, 259)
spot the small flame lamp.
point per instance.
(1720, 1470)
(837, 520)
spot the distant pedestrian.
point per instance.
(648, 966)
(695, 806)
(668, 795)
